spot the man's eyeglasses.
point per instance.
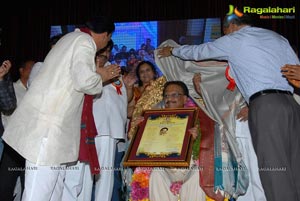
(102, 57)
(175, 95)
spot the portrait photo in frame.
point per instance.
(162, 139)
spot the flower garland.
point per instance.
(175, 188)
(140, 184)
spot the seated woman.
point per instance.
(146, 93)
(145, 73)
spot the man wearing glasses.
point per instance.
(175, 95)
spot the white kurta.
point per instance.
(110, 112)
(110, 115)
(34, 72)
(161, 180)
(51, 109)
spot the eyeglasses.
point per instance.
(174, 95)
(102, 57)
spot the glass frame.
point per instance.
(150, 147)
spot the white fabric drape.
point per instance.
(222, 105)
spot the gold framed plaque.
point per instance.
(162, 139)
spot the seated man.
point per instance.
(175, 95)
(173, 183)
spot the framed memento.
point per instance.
(162, 139)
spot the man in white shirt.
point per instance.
(45, 128)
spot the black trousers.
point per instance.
(274, 122)
(12, 166)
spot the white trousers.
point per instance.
(159, 187)
(255, 190)
(43, 183)
(106, 148)
(78, 183)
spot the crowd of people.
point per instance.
(68, 121)
(130, 58)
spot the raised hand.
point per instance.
(109, 72)
(165, 51)
(129, 80)
(4, 68)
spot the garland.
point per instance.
(175, 188)
(140, 184)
